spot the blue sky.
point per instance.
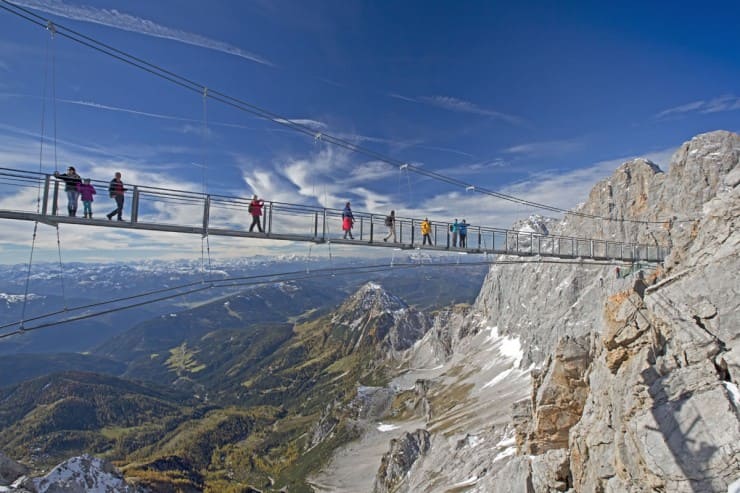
(537, 99)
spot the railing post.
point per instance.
(362, 224)
(206, 211)
(269, 221)
(480, 239)
(55, 199)
(315, 225)
(46, 195)
(323, 227)
(372, 227)
(413, 230)
(135, 208)
(592, 248)
(531, 243)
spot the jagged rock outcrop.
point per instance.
(397, 462)
(661, 409)
(374, 317)
(10, 470)
(559, 392)
(667, 416)
(449, 328)
(84, 474)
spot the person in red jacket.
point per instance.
(255, 209)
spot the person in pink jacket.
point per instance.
(86, 191)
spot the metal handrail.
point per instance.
(216, 214)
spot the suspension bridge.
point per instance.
(150, 208)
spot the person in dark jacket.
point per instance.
(390, 223)
(116, 191)
(86, 192)
(255, 209)
(348, 220)
(462, 229)
(71, 179)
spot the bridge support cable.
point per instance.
(205, 243)
(262, 279)
(28, 275)
(61, 268)
(49, 48)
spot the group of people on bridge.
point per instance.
(76, 188)
(458, 230)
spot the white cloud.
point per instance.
(727, 102)
(149, 114)
(127, 22)
(306, 122)
(461, 106)
(545, 148)
(403, 98)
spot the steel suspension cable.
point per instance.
(262, 279)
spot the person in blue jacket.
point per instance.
(454, 229)
(462, 229)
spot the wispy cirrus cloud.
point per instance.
(160, 116)
(545, 148)
(127, 22)
(305, 122)
(727, 102)
(451, 103)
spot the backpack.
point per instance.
(251, 208)
(389, 221)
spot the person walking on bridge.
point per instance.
(426, 229)
(116, 191)
(463, 230)
(348, 220)
(390, 222)
(454, 229)
(71, 179)
(255, 209)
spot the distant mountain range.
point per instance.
(252, 388)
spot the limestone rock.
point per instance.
(551, 471)
(397, 462)
(558, 396)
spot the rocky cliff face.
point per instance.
(635, 381)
